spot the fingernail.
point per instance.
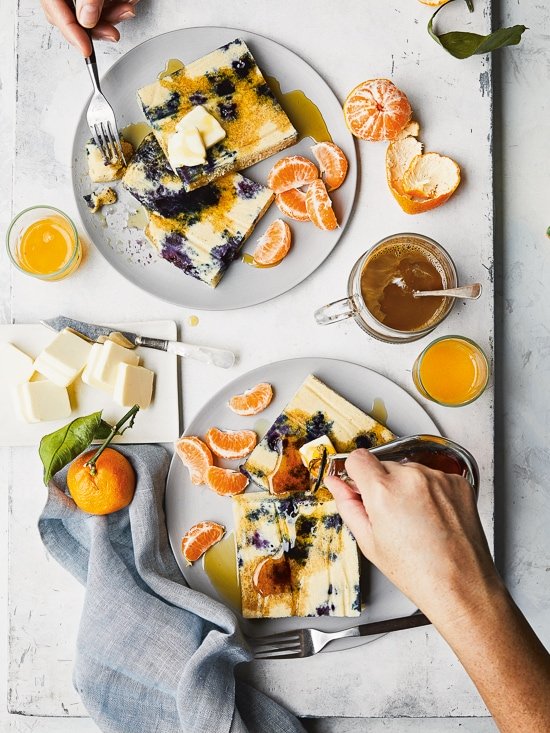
(88, 15)
(106, 36)
(127, 15)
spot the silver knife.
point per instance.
(218, 357)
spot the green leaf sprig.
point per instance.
(462, 44)
(59, 448)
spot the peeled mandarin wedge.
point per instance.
(319, 206)
(274, 245)
(196, 456)
(231, 443)
(200, 538)
(293, 171)
(332, 163)
(253, 400)
(225, 481)
(434, 3)
(293, 204)
(377, 110)
(419, 182)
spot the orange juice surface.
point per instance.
(453, 371)
(46, 246)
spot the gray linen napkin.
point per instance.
(153, 656)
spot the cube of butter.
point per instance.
(133, 386)
(15, 366)
(64, 358)
(314, 449)
(42, 401)
(111, 355)
(89, 375)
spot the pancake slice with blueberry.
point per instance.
(277, 463)
(246, 119)
(201, 231)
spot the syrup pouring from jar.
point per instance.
(432, 451)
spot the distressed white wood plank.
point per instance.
(454, 110)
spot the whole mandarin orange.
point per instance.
(107, 490)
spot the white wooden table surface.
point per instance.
(415, 674)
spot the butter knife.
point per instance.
(218, 357)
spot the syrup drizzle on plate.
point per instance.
(220, 565)
(304, 114)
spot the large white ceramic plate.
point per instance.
(127, 249)
(187, 504)
(158, 424)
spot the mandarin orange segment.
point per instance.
(319, 206)
(274, 245)
(231, 443)
(225, 481)
(377, 110)
(200, 538)
(434, 3)
(196, 456)
(293, 171)
(253, 400)
(332, 163)
(293, 204)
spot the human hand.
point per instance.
(99, 16)
(421, 528)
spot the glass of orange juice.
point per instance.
(452, 371)
(43, 242)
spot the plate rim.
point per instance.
(75, 151)
(354, 641)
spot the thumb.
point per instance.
(88, 12)
(351, 508)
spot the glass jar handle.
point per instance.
(334, 312)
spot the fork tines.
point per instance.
(108, 141)
(277, 646)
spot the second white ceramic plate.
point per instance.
(126, 248)
(187, 504)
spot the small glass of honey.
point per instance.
(382, 284)
(452, 371)
(43, 242)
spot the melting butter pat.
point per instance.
(15, 366)
(133, 386)
(208, 126)
(186, 147)
(64, 358)
(42, 401)
(101, 369)
(314, 450)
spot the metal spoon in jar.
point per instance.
(468, 292)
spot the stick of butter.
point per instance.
(15, 366)
(42, 401)
(133, 386)
(64, 358)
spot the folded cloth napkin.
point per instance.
(153, 656)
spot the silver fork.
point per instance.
(101, 117)
(307, 642)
